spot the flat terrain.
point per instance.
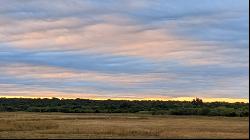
(61, 125)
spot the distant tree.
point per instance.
(56, 99)
(196, 107)
(197, 102)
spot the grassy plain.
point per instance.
(62, 125)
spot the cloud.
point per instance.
(126, 48)
(123, 41)
(38, 72)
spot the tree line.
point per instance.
(195, 107)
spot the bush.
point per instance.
(196, 107)
(204, 111)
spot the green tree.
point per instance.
(197, 102)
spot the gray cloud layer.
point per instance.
(125, 48)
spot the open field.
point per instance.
(61, 125)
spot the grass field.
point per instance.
(61, 125)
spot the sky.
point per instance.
(124, 49)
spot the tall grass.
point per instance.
(59, 125)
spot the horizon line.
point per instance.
(229, 100)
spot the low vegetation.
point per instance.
(28, 125)
(195, 107)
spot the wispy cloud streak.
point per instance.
(124, 48)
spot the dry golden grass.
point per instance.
(60, 125)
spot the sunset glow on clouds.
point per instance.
(124, 48)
